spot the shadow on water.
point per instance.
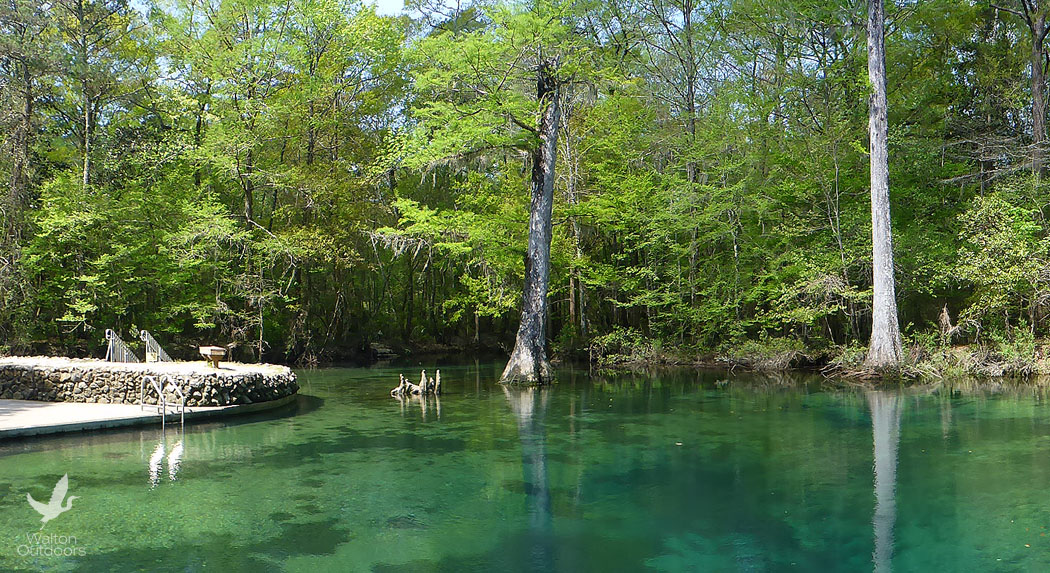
(227, 552)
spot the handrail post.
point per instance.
(169, 381)
(161, 387)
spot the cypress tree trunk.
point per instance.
(885, 347)
(528, 362)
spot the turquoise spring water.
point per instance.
(677, 471)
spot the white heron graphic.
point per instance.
(54, 508)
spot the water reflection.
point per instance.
(946, 419)
(885, 429)
(427, 404)
(530, 407)
(175, 461)
(155, 465)
(156, 460)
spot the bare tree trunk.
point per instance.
(198, 131)
(248, 187)
(83, 48)
(885, 347)
(576, 286)
(528, 362)
(19, 180)
(1034, 13)
(689, 65)
(87, 136)
(1038, 24)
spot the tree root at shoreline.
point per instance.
(426, 386)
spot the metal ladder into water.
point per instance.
(161, 387)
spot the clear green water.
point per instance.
(671, 472)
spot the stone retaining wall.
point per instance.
(70, 380)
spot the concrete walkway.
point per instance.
(31, 418)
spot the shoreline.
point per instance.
(920, 364)
(39, 418)
(923, 362)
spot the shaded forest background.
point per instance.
(312, 181)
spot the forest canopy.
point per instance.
(306, 179)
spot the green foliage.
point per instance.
(1018, 349)
(303, 178)
(764, 354)
(1003, 255)
(622, 346)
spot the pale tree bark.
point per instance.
(884, 349)
(528, 362)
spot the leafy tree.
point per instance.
(478, 99)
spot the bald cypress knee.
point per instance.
(528, 362)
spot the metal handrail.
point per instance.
(152, 346)
(117, 350)
(182, 407)
(166, 383)
(158, 387)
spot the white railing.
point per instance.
(117, 350)
(154, 353)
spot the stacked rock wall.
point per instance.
(66, 380)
